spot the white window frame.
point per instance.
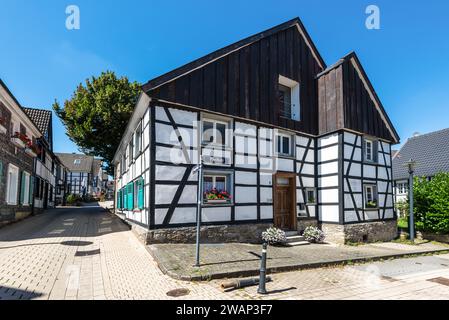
(228, 176)
(370, 142)
(307, 196)
(26, 196)
(291, 146)
(12, 168)
(214, 122)
(295, 96)
(77, 161)
(374, 196)
(138, 144)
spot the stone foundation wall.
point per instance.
(362, 232)
(248, 233)
(304, 223)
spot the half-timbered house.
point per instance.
(284, 140)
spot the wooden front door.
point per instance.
(284, 201)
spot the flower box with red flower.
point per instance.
(3, 127)
(215, 196)
(33, 150)
(19, 139)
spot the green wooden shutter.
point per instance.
(22, 188)
(119, 197)
(131, 196)
(31, 195)
(140, 187)
(125, 197)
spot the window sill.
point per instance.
(290, 119)
(285, 156)
(209, 205)
(371, 209)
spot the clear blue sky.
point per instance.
(407, 60)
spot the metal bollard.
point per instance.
(263, 270)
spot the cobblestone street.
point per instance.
(87, 253)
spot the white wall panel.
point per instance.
(159, 215)
(216, 214)
(285, 165)
(369, 171)
(327, 154)
(266, 212)
(329, 213)
(349, 137)
(328, 168)
(266, 195)
(266, 179)
(242, 177)
(245, 213)
(184, 215)
(164, 193)
(328, 196)
(331, 181)
(189, 194)
(184, 117)
(245, 194)
(245, 129)
(322, 142)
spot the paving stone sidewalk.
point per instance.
(240, 260)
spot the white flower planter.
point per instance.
(3, 129)
(30, 152)
(19, 143)
(217, 201)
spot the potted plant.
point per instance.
(314, 235)
(3, 128)
(274, 236)
(371, 204)
(215, 196)
(20, 140)
(32, 149)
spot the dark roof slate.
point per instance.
(42, 119)
(430, 151)
(68, 160)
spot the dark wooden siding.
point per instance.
(245, 82)
(360, 111)
(330, 101)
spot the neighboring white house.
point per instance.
(431, 153)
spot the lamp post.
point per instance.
(199, 169)
(411, 169)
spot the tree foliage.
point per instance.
(431, 203)
(97, 114)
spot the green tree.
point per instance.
(431, 203)
(97, 114)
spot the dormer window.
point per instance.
(289, 98)
(77, 162)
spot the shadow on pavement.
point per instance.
(87, 221)
(9, 293)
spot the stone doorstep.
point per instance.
(297, 267)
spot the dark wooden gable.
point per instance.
(348, 100)
(244, 82)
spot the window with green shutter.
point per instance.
(140, 193)
(119, 199)
(125, 198)
(130, 196)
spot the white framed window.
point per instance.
(26, 189)
(284, 144)
(402, 188)
(289, 98)
(370, 150)
(215, 132)
(371, 201)
(77, 161)
(12, 185)
(138, 141)
(131, 150)
(217, 188)
(311, 196)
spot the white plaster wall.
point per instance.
(245, 129)
(308, 182)
(306, 169)
(350, 216)
(172, 173)
(285, 165)
(246, 145)
(184, 117)
(349, 137)
(369, 171)
(266, 195)
(164, 193)
(312, 211)
(159, 215)
(331, 139)
(331, 181)
(245, 213)
(266, 212)
(161, 115)
(329, 213)
(246, 161)
(329, 153)
(328, 168)
(215, 214)
(189, 195)
(372, 214)
(184, 215)
(245, 194)
(266, 179)
(329, 196)
(242, 177)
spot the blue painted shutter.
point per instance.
(140, 193)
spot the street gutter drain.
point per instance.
(440, 280)
(87, 253)
(178, 292)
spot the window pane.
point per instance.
(208, 184)
(221, 133)
(208, 132)
(220, 183)
(279, 144)
(286, 145)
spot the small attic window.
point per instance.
(77, 161)
(288, 93)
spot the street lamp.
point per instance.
(411, 169)
(198, 169)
